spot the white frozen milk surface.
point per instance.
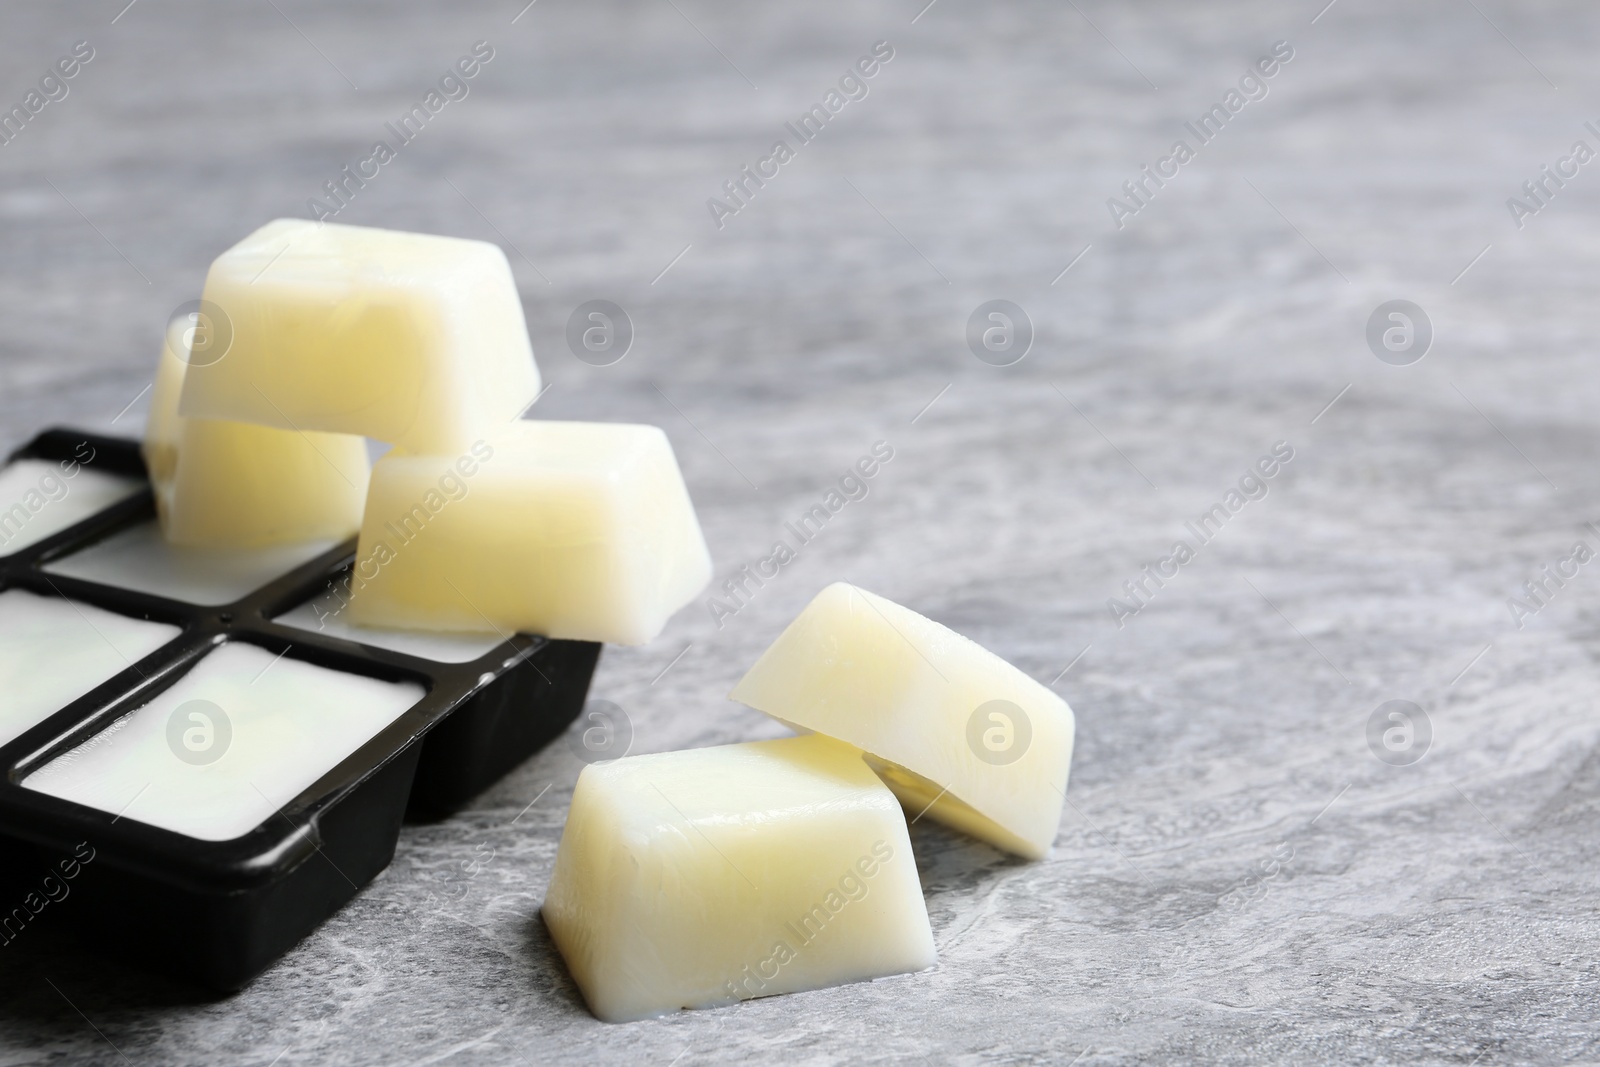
(52, 651)
(235, 739)
(38, 498)
(326, 615)
(141, 559)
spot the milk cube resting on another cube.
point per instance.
(698, 878)
(955, 731)
(408, 338)
(574, 530)
(225, 484)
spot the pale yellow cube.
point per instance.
(955, 731)
(575, 530)
(408, 338)
(236, 485)
(698, 878)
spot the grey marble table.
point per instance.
(1238, 877)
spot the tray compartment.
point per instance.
(218, 913)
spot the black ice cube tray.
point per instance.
(219, 913)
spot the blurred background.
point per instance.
(1247, 870)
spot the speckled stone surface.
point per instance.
(1238, 878)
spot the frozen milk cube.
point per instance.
(222, 484)
(955, 731)
(573, 530)
(162, 424)
(408, 338)
(698, 878)
(243, 486)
